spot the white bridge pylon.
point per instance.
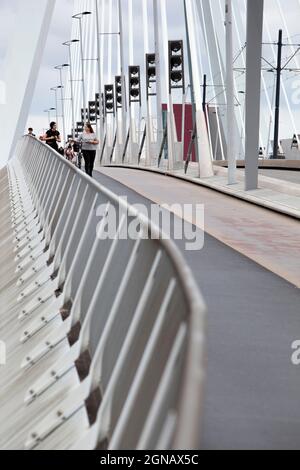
(22, 66)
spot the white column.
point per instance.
(231, 144)
(99, 64)
(122, 71)
(133, 146)
(24, 56)
(149, 114)
(204, 149)
(172, 137)
(158, 75)
(255, 11)
(216, 65)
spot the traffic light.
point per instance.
(176, 65)
(134, 84)
(92, 111)
(295, 142)
(118, 90)
(109, 103)
(84, 115)
(79, 128)
(151, 74)
(103, 105)
(97, 105)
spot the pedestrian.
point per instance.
(30, 132)
(69, 153)
(52, 137)
(89, 143)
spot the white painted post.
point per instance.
(255, 12)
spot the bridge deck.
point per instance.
(252, 388)
(268, 238)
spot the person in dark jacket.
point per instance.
(52, 137)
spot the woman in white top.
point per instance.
(89, 143)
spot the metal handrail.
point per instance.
(189, 408)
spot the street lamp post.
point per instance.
(60, 69)
(79, 17)
(68, 44)
(49, 113)
(56, 102)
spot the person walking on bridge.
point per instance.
(89, 144)
(52, 137)
(30, 132)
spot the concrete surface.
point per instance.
(285, 175)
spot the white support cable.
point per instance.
(90, 52)
(240, 45)
(172, 137)
(236, 11)
(200, 61)
(132, 154)
(157, 35)
(149, 130)
(204, 149)
(216, 65)
(293, 49)
(266, 23)
(145, 26)
(102, 42)
(240, 121)
(122, 73)
(231, 138)
(110, 12)
(98, 87)
(130, 33)
(75, 50)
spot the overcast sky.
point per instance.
(54, 54)
(60, 31)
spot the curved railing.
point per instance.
(108, 328)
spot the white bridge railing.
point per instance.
(104, 335)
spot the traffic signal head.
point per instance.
(97, 105)
(134, 84)
(151, 73)
(176, 65)
(79, 127)
(118, 90)
(92, 111)
(109, 99)
(84, 115)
